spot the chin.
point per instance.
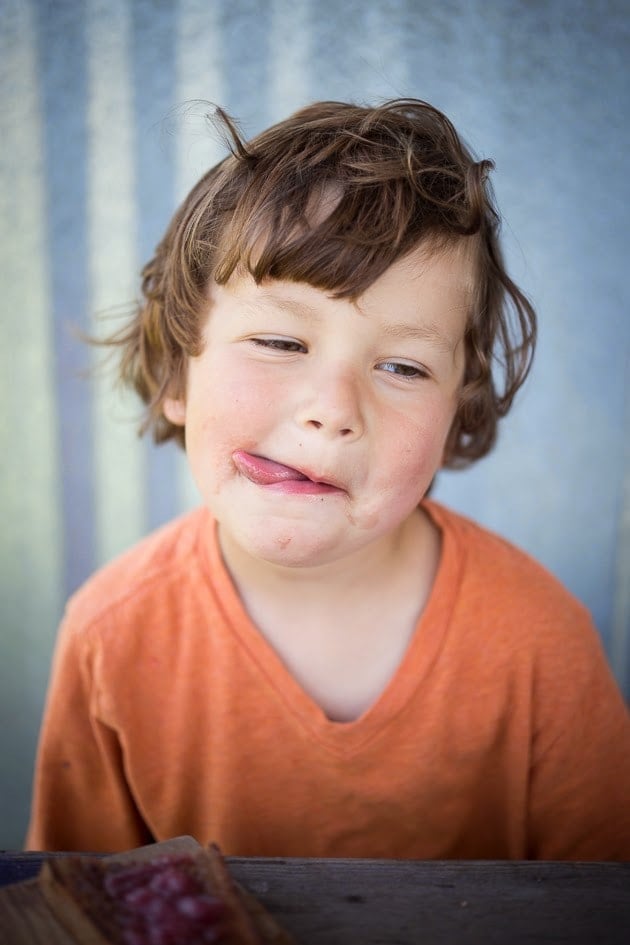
(290, 551)
(289, 546)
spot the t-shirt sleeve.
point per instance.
(81, 799)
(580, 755)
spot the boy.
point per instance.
(320, 661)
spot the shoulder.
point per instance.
(151, 569)
(497, 578)
(510, 615)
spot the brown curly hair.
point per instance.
(402, 178)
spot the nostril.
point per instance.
(319, 424)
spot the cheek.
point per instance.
(226, 412)
(243, 390)
(226, 396)
(415, 449)
(416, 467)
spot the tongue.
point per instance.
(264, 472)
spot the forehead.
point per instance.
(431, 265)
(430, 287)
(427, 293)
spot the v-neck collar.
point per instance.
(344, 738)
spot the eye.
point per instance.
(279, 344)
(403, 369)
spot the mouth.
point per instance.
(280, 478)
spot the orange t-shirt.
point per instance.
(501, 735)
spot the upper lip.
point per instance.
(314, 477)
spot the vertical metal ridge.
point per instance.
(61, 57)
(153, 87)
(620, 637)
(113, 273)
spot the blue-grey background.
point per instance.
(95, 152)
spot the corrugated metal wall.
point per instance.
(96, 149)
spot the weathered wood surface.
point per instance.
(368, 902)
(400, 903)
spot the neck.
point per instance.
(359, 612)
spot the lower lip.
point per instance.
(300, 487)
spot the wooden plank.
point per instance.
(328, 902)
(412, 903)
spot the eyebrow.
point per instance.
(430, 333)
(291, 306)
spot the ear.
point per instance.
(175, 410)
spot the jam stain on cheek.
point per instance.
(365, 521)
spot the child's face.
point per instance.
(315, 425)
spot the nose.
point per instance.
(333, 405)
